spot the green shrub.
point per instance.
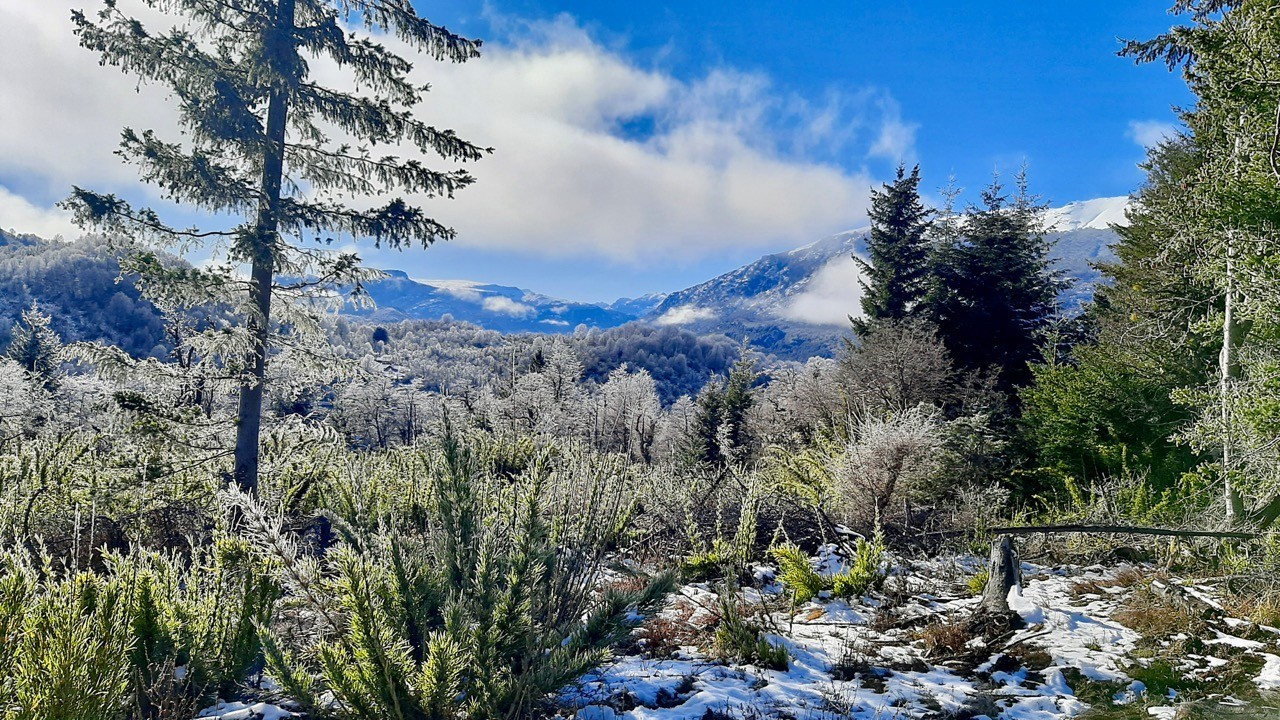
(977, 583)
(108, 643)
(706, 565)
(65, 649)
(740, 640)
(795, 570)
(484, 571)
(865, 573)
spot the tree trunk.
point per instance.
(1229, 372)
(263, 260)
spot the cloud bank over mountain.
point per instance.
(596, 155)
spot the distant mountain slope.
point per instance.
(75, 283)
(797, 303)
(794, 304)
(497, 307)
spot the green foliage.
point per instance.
(721, 435)
(1128, 499)
(994, 292)
(200, 614)
(977, 583)
(1210, 211)
(898, 272)
(1103, 415)
(864, 572)
(149, 633)
(795, 570)
(67, 645)
(471, 567)
(709, 564)
(740, 640)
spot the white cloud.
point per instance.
(595, 154)
(507, 306)
(62, 113)
(1149, 133)
(897, 139)
(832, 295)
(460, 290)
(685, 314)
(20, 215)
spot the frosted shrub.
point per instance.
(886, 460)
(149, 635)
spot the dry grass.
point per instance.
(1259, 608)
(1125, 578)
(662, 635)
(1158, 614)
(941, 639)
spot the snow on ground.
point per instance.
(867, 659)
(245, 711)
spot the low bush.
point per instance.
(865, 571)
(740, 640)
(483, 570)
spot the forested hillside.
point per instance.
(1000, 498)
(79, 285)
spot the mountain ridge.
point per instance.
(791, 303)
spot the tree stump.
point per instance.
(993, 616)
(1004, 573)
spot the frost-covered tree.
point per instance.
(23, 405)
(37, 348)
(267, 142)
(627, 413)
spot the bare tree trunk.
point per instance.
(1229, 373)
(1229, 369)
(263, 258)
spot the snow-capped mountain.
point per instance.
(794, 303)
(497, 307)
(799, 302)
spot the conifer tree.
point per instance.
(261, 143)
(995, 291)
(720, 419)
(1226, 223)
(36, 347)
(897, 274)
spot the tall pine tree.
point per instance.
(895, 278)
(1225, 225)
(260, 144)
(995, 291)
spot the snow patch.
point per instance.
(1096, 214)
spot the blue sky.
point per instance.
(989, 84)
(648, 146)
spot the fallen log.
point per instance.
(1098, 529)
